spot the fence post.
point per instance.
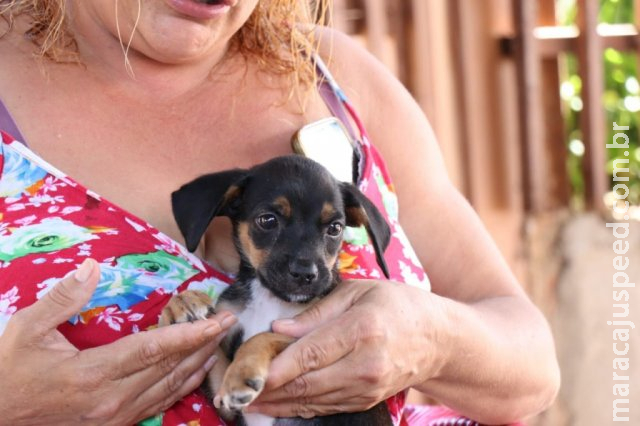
(558, 188)
(530, 114)
(590, 69)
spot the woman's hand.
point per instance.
(364, 342)
(46, 380)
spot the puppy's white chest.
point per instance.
(256, 318)
(263, 309)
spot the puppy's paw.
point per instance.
(188, 306)
(242, 384)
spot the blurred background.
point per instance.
(523, 95)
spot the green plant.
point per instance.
(621, 99)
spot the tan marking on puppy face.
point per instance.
(255, 255)
(356, 216)
(283, 206)
(330, 261)
(328, 211)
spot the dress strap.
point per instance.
(334, 97)
(8, 124)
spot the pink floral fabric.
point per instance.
(50, 223)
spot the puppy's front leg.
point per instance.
(247, 374)
(190, 306)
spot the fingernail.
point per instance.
(212, 329)
(84, 271)
(228, 320)
(210, 362)
(285, 322)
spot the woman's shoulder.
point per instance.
(378, 96)
(370, 85)
(348, 61)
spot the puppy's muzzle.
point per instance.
(303, 271)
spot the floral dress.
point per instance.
(49, 224)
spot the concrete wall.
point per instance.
(584, 339)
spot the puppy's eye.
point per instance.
(267, 221)
(334, 229)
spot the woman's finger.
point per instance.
(302, 409)
(355, 398)
(172, 373)
(63, 301)
(161, 348)
(187, 387)
(346, 380)
(184, 378)
(318, 349)
(317, 383)
(322, 312)
(347, 399)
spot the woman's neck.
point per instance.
(137, 75)
(128, 70)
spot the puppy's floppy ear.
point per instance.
(196, 203)
(359, 211)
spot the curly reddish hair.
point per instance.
(279, 34)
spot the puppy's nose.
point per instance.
(303, 271)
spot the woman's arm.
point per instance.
(486, 350)
(503, 357)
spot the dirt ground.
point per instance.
(584, 339)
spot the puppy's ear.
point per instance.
(359, 211)
(196, 203)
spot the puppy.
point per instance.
(288, 218)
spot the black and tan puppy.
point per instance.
(288, 218)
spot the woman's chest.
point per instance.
(138, 165)
(136, 154)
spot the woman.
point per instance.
(134, 98)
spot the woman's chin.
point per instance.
(191, 42)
